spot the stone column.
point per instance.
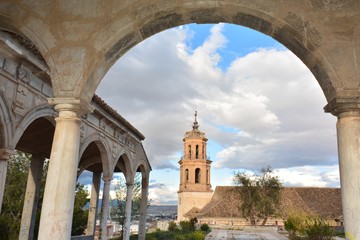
(129, 189)
(91, 224)
(348, 135)
(4, 156)
(105, 208)
(143, 206)
(58, 203)
(31, 201)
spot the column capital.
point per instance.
(5, 154)
(71, 104)
(106, 179)
(343, 106)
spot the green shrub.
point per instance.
(204, 227)
(301, 226)
(173, 227)
(317, 229)
(197, 235)
(181, 237)
(150, 237)
(187, 226)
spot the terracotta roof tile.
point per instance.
(324, 202)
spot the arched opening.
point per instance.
(197, 152)
(186, 175)
(26, 173)
(92, 168)
(285, 28)
(222, 110)
(197, 175)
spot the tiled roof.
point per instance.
(96, 99)
(323, 202)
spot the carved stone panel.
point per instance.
(21, 102)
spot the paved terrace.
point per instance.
(220, 234)
(216, 234)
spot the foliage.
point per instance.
(13, 200)
(175, 235)
(173, 227)
(295, 223)
(117, 211)
(80, 215)
(260, 195)
(309, 228)
(187, 226)
(16, 180)
(197, 235)
(317, 229)
(205, 227)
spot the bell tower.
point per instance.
(195, 188)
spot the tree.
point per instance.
(13, 200)
(260, 195)
(118, 208)
(16, 179)
(80, 215)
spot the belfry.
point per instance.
(195, 188)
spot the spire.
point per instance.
(195, 125)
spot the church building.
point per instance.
(195, 188)
(196, 198)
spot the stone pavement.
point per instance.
(219, 234)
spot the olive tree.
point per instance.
(260, 195)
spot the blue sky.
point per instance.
(256, 102)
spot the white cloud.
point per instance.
(160, 193)
(310, 176)
(265, 109)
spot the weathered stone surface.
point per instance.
(253, 22)
(160, 23)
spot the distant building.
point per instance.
(196, 198)
(195, 188)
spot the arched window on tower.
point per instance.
(203, 151)
(187, 175)
(207, 176)
(197, 151)
(197, 175)
(190, 151)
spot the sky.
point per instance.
(257, 102)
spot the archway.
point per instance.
(314, 32)
(34, 146)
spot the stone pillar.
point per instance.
(31, 201)
(105, 208)
(4, 156)
(129, 189)
(94, 198)
(348, 135)
(91, 224)
(347, 111)
(143, 206)
(58, 203)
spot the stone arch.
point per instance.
(294, 31)
(123, 164)
(143, 168)
(6, 128)
(27, 34)
(43, 111)
(103, 149)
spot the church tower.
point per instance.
(195, 188)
